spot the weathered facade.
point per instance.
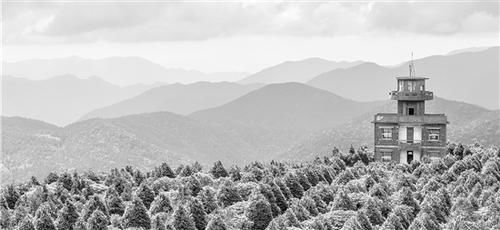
(410, 134)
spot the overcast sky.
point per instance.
(246, 36)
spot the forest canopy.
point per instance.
(341, 191)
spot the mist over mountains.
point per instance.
(238, 123)
(117, 70)
(471, 77)
(62, 99)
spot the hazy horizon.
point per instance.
(246, 36)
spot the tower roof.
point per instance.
(412, 78)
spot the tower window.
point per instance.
(386, 133)
(433, 134)
(386, 155)
(411, 111)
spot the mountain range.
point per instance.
(277, 121)
(62, 99)
(117, 70)
(177, 98)
(296, 71)
(472, 77)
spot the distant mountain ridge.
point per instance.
(296, 71)
(177, 98)
(61, 99)
(472, 77)
(468, 124)
(279, 121)
(118, 70)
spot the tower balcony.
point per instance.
(411, 96)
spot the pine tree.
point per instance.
(216, 223)
(11, 196)
(136, 215)
(198, 214)
(182, 221)
(115, 205)
(161, 203)
(93, 204)
(295, 187)
(43, 221)
(165, 171)
(26, 223)
(424, 222)
(207, 198)
(218, 170)
(235, 173)
(306, 185)
(342, 201)
(158, 222)
(280, 198)
(67, 216)
(146, 194)
(372, 211)
(98, 221)
(310, 205)
(228, 195)
(259, 212)
(404, 197)
(284, 189)
(393, 223)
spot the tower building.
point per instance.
(410, 134)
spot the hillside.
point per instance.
(296, 71)
(60, 100)
(118, 70)
(473, 74)
(468, 124)
(138, 140)
(177, 98)
(277, 115)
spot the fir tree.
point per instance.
(372, 211)
(198, 214)
(136, 215)
(98, 221)
(259, 212)
(228, 195)
(216, 223)
(115, 205)
(295, 187)
(218, 170)
(93, 204)
(67, 216)
(26, 223)
(393, 223)
(11, 195)
(160, 204)
(280, 198)
(182, 221)
(235, 173)
(165, 171)
(207, 198)
(424, 222)
(284, 189)
(43, 221)
(158, 222)
(404, 197)
(146, 194)
(342, 201)
(304, 182)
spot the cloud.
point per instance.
(174, 21)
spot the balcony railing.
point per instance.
(410, 96)
(410, 141)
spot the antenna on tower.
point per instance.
(412, 66)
